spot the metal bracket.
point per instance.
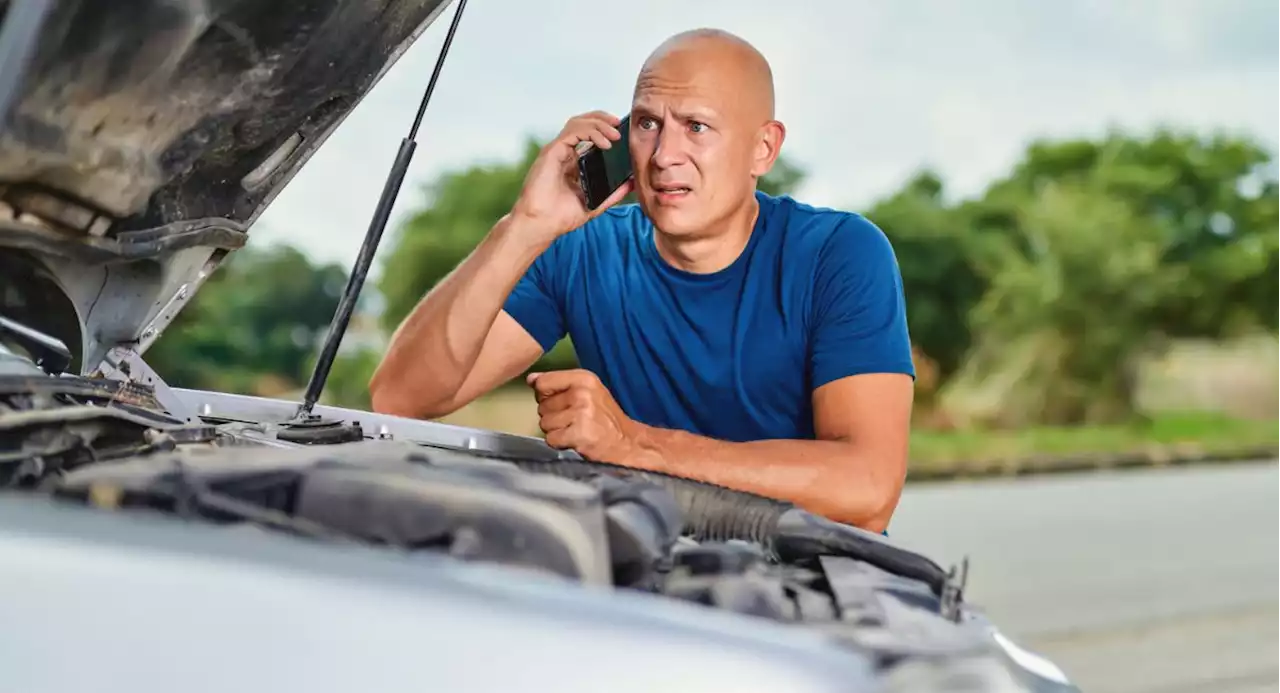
(122, 363)
(953, 591)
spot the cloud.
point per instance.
(870, 90)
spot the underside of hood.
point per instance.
(140, 140)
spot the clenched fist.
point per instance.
(576, 412)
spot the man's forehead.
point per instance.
(684, 104)
(708, 74)
(690, 92)
(686, 69)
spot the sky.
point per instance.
(870, 91)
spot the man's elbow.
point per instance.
(391, 403)
(872, 520)
(873, 508)
(389, 396)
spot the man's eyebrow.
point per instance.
(699, 113)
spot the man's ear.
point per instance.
(768, 147)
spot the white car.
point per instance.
(156, 539)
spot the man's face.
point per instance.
(691, 147)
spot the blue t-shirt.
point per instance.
(735, 355)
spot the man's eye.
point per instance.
(698, 127)
(645, 123)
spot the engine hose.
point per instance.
(802, 535)
(783, 530)
(711, 513)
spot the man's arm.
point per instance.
(862, 371)
(458, 343)
(853, 472)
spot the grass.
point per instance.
(1195, 432)
(510, 410)
(513, 410)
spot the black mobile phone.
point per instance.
(603, 171)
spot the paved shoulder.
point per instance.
(1152, 580)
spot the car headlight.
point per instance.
(1034, 663)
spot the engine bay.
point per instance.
(107, 444)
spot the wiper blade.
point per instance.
(49, 352)
(390, 189)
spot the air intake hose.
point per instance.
(711, 513)
(716, 513)
(802, 535)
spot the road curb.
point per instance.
(1044, 465)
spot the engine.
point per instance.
(103, 443)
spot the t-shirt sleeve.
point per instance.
(859, 319)
(536, 302)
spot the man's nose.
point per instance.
(671, 148)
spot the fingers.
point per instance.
(569, 399)
(557, 415)
(609, 120)
(572, 182)
(613, 199)
(557, 421)
(561, 438)
(603, 115)
(623, 190)
(597, 127)
(546, 384)
(576, 412)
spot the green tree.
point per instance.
(1061, 329)
(348, 381)
(253, 325)
(455, 212)
(785, 178)
(1214, 197)
(938, 255)
(1110, 250)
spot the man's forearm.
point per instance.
(437, 345)
(830, 478)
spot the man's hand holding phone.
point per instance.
(552, 201)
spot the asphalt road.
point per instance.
(1152, 581)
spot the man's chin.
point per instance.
(673, 221)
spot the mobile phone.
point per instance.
(602, 171)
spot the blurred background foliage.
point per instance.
(1044, 300)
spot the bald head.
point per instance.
(702, 133)
(717, 56)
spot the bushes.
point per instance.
(1039, 301)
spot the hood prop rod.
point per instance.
(381, 214)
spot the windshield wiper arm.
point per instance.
(49, 352)
(390, 189)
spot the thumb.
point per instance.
(532, 378)
(627, 187)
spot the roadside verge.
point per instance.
(1036, 465)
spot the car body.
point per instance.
(155, 537)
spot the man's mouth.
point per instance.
(670, 190)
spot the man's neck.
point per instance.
(712, 251)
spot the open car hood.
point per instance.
(140, 141)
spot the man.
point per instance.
(725, 335)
